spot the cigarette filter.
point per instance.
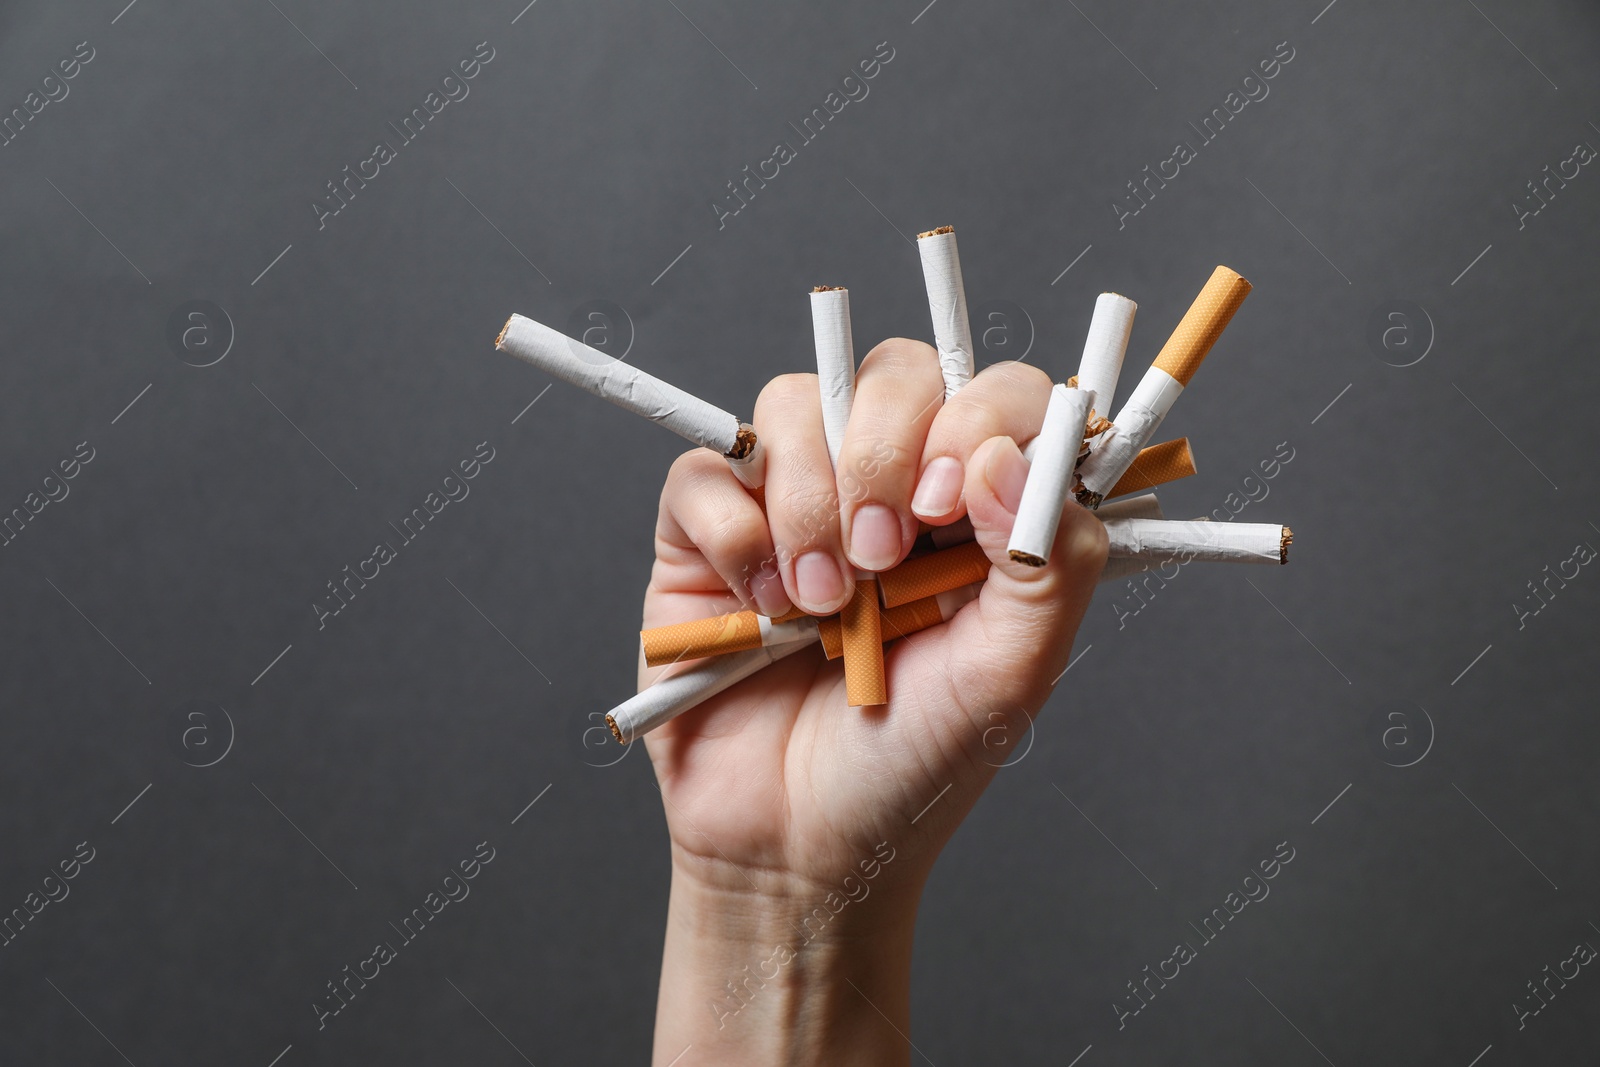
(672, 696)
(1104, 348)
(937, 572)
(947, 302)
(836, 361)
(1050, 478)
(722, 634)
(1217, 542)
(1156, 465)
(626, 386)
(861, 634)
(902, 621)
(1135, 507)
(1180, 357)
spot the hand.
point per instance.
(779, 798)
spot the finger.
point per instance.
(1017, 641)
(1005, 400)
(899, 389)
(802, 499)
(710, 534)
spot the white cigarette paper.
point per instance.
(1215, 542)
(1104, 348)
(671, 697)
(626, 386)
(1050, 478)
(1131, 430)
(947, 302)
(1133, 507)
(836, 362)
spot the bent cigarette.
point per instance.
(629, 387)
(947, 303)
(902, 621)
(1180, 357)
(1156, 465)
(864, 680)
(672, 696)
(1134, 507)
(1050, 478)
(937, 572)
(1104, 348)
(1215, 542)
(722, 634)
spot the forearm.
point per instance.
(785, 979)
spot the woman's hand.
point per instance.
(800, 838)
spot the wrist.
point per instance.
(793, 973)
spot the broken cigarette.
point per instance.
(1104, 348)
(902, 621)
(1134, 507)
(1050, 478)
(1180, 357)
(1156, 465)
(643, 394)
(864, 681)
(947, 302)
(674, 695)
(723, 634)
(932, 574)
(1215, 542)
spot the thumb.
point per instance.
(1016, 639)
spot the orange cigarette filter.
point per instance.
(1156, 465)
(860, 628)
(1202, 324)
(716, 636)
(932, 574)
(895, 622)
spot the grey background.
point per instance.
(416, 724)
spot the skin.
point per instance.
(781, 800)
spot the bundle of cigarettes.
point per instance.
(1081, 452)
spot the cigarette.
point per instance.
(864, 681)
(1180, 357)
(937, 572)
(1104, 348)
(1050, 478)
(902, 621)
(1134, 507)
(861, 633)
(672, 696)
(836, 361)
(643, 394)
(947, 302)
(723, 634)
(1156, 465)
(1215, 542)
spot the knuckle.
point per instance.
(904, 357)
(785, 389)
(1022, 377)
(806, 513)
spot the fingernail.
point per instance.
(939, 490)
(874, 537)
(1007, 473)
(767, 589)
(819, 583)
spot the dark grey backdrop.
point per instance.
(163, 608)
